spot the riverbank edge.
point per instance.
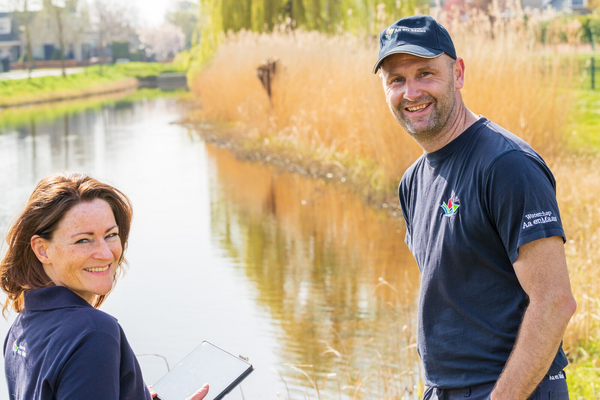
(582, 370)
(355, 175)
(63, 95)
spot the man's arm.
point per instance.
(542, 272)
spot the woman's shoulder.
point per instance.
(66, 314)
(97, 320)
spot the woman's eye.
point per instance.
(82, 241)
(112, 235)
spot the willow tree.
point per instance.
(363, 17)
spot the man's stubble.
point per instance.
(442, 109)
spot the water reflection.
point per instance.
(278, 267)
(315, 254)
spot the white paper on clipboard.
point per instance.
(207, 363)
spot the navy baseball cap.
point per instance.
(419, 35)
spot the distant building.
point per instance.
(559, 5)
(10, 43)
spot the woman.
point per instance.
(65, 252)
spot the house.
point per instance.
(10, 42)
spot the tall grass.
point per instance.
(327, 104)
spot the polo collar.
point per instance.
(51, 298)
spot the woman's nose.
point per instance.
(103, 251)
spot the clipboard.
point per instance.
(207, 363)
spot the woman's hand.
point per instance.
(199, 395)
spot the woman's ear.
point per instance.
(39, 246)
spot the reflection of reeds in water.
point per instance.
(315, 254)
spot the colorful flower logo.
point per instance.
(388, 32)
(15, 347)
(450, 208)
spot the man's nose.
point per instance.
(411, 90)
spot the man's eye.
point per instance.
(398, 80)
(426, 74)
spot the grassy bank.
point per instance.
(328, 117)
(16, 117)
(93, 81)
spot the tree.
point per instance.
(184, 14)
(113, 21)
(163, 41)
(24, 16)
(57, 11)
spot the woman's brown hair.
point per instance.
(53, 197)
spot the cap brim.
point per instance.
(418, 51)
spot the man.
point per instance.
(483, 224)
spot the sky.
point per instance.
(151, 12)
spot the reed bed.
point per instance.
(326, 103)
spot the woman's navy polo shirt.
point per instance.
(60, 347)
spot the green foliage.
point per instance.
(120, 50)
(365, 17)
(210, 27)
(590, 25)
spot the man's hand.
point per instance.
(199, 395)
(541, 269)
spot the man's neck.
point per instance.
(456, 125)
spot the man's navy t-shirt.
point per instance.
(468, 207)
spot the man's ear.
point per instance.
(39, 246)
(459, 73)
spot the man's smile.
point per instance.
(418, 108)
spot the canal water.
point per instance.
(318, 290)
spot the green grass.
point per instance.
(583, 375)
(141, 69)
(16, 117)
(583, 129)
(27, 90)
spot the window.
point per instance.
(4, 26)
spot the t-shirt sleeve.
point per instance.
(520, 194)
(92, 370)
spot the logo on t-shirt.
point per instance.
(542, 217)
(19, 350)
(449, 209)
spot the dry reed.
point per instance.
(327, 104)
